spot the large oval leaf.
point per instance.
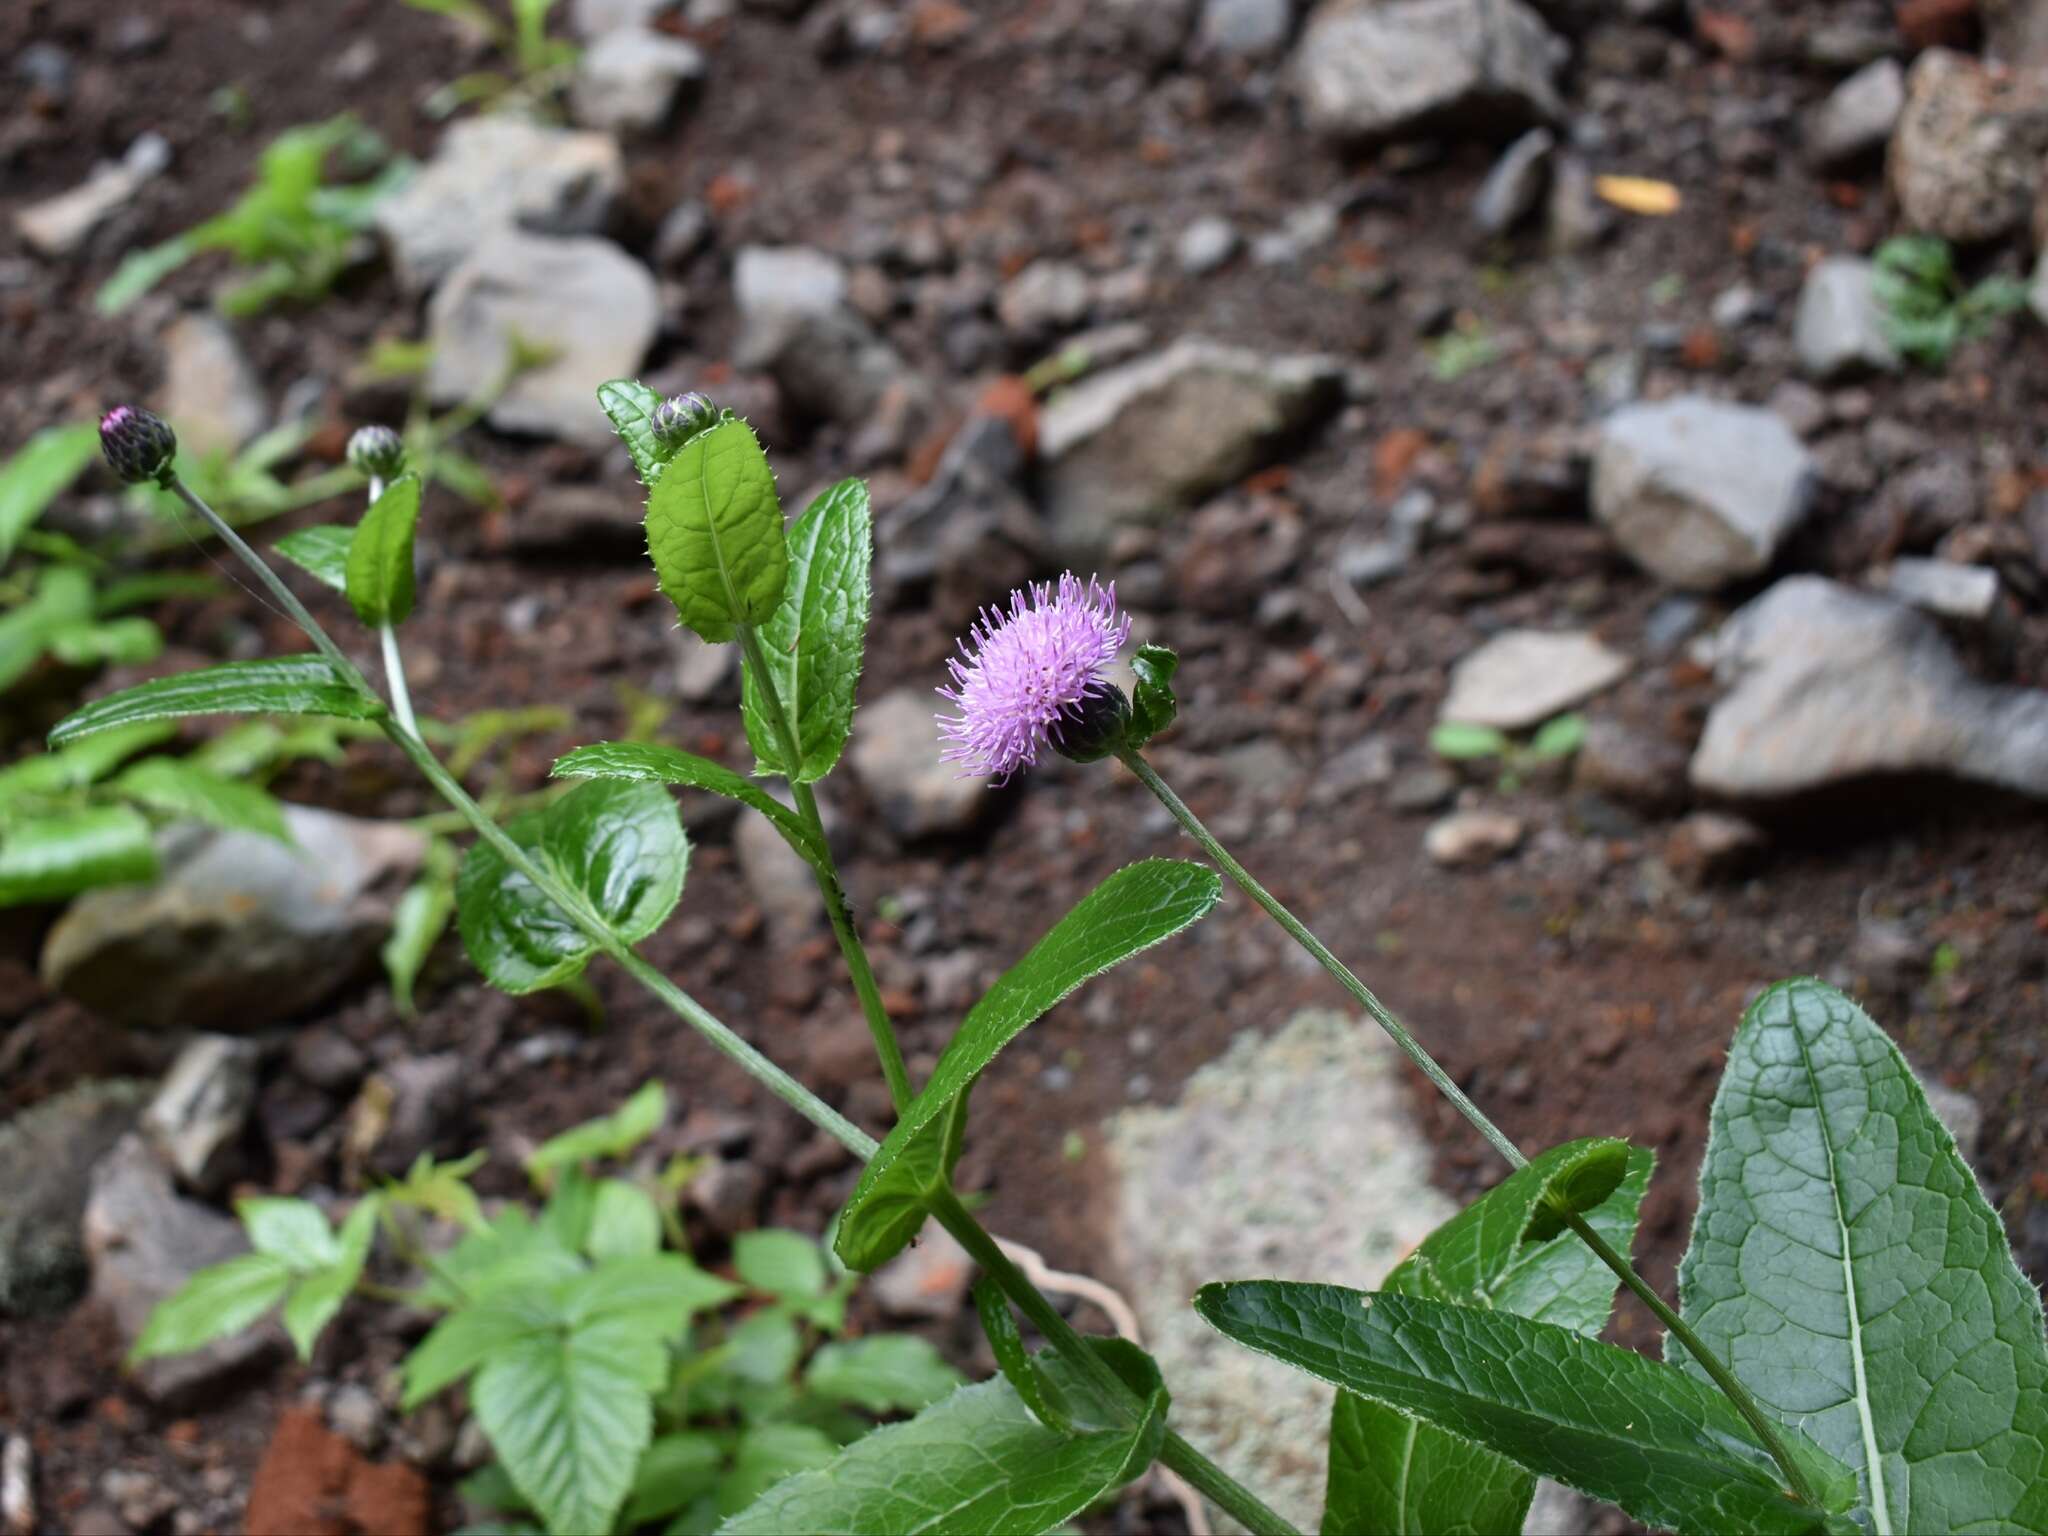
(714, 528)
(1846, 1266)
(305, 684)
(620, 844)
(380, 561)
(975, 1463)
(1132, 910)
(813, 641)
(1670, 1450)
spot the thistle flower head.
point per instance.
(1025, 677)
(682, 417)
(377, 451)
(140, 445)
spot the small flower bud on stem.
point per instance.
(140, 445)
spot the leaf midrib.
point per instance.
(732, 596)
(1880, 1511)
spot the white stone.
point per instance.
(58, 226)
(1046, 296)
(1468, 838)
(1840, 328)
(1522, 677)
(196, 1120)
(594, 308)
(492, 174)
(1243, 28)
(1859, 115)
(211, 395)
(631, 80)
(896, 755)
(1700, 492)
(770, 280)
(1205, 245)
(1944, 588)
(1965, 159)
(591, 19)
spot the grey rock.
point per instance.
(1243, 28)
(926, 1282)
(1840, 329)
(1800, 406)
(772, 282)
(1205, 245)
(1575, 218)
(1303, 230)
(211, 393)
(594, 18)
(1711, 846)
(1522, 677)
(632, 80)
(241, 931)
(2016, 31)
(1516, 183)
(1738, 305)
(1046, 296)
(58, 226)
(971, 534)
(1293, 1156)
(49, 1151)
(1367, 563)
(1422, 789)
(797, 324)
(1559, 1511)
(1827, 684)
(1630, 766)
(1140, 442)
(1857, 119)
(1967, 594)
(327, 1059)
(683, 233)
(409, 1106)
(895, 753)
(492, 174)
(144, 1243)
(1465, 839)
(729, 1196)
(1378, 69)
(778, 879)
(196, 1120)
(1697, 491)
(593, 307)
(47, 68)
(1966, 156)
(354, 1413)
(585, 521)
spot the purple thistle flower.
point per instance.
(1023, 676)
(139, 445)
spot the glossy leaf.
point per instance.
(285, 685)
(380, 556)
(813, 641)
(1132, 910)
(176, 788)
(1006, 1343)
(321, 552)
(220, 1300)
(1391, 1472)
(319, 1295)
(648, 762)
(621, 845)
(1153, 705)
(56, 855)
(608, 1136)
(38, 473)
(631, 406)
(975, 1463)
(714, 528)
(884, 1373)
(1669, 1450)
(1847, 1267)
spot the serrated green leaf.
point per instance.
(37, 473)
(714, 528)
(624, 1223)
(468, 1336)
(608, 1136)
(1132, 910)
(620, 844)
(569, 1414)
(1153, 705)
(1847, 1267)
(291, 1231)
(284, 685)
(177, 788)
(321, 552)
(319, 1295)
(1666, 1448)
(975, 1463)
(884, 1373)
(380, 556)
(631, 406)
(649, 762)
(58, 854)
(512, 1252)
(813, 640)
(676, 1471)
(1506, 1251)
(217, 1301)
(780, 1263)
(768, 1454)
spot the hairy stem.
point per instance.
(394, 678)
(570, 900)
(1414, 1051)
(1223, 1490)
(829, 886)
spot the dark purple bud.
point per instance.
(378, 452)
(1093, 728)
(682, 417)
(140, 445)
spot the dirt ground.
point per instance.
(1572, 990)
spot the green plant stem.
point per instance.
(394, 678)
(570, 900)
(830, 887)
(1221, 1489)
(1414, 1051)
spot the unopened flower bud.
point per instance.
(682, 417)
(1096, 726)
(378, 452)
(140, 445)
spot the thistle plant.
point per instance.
(1854, 1349)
